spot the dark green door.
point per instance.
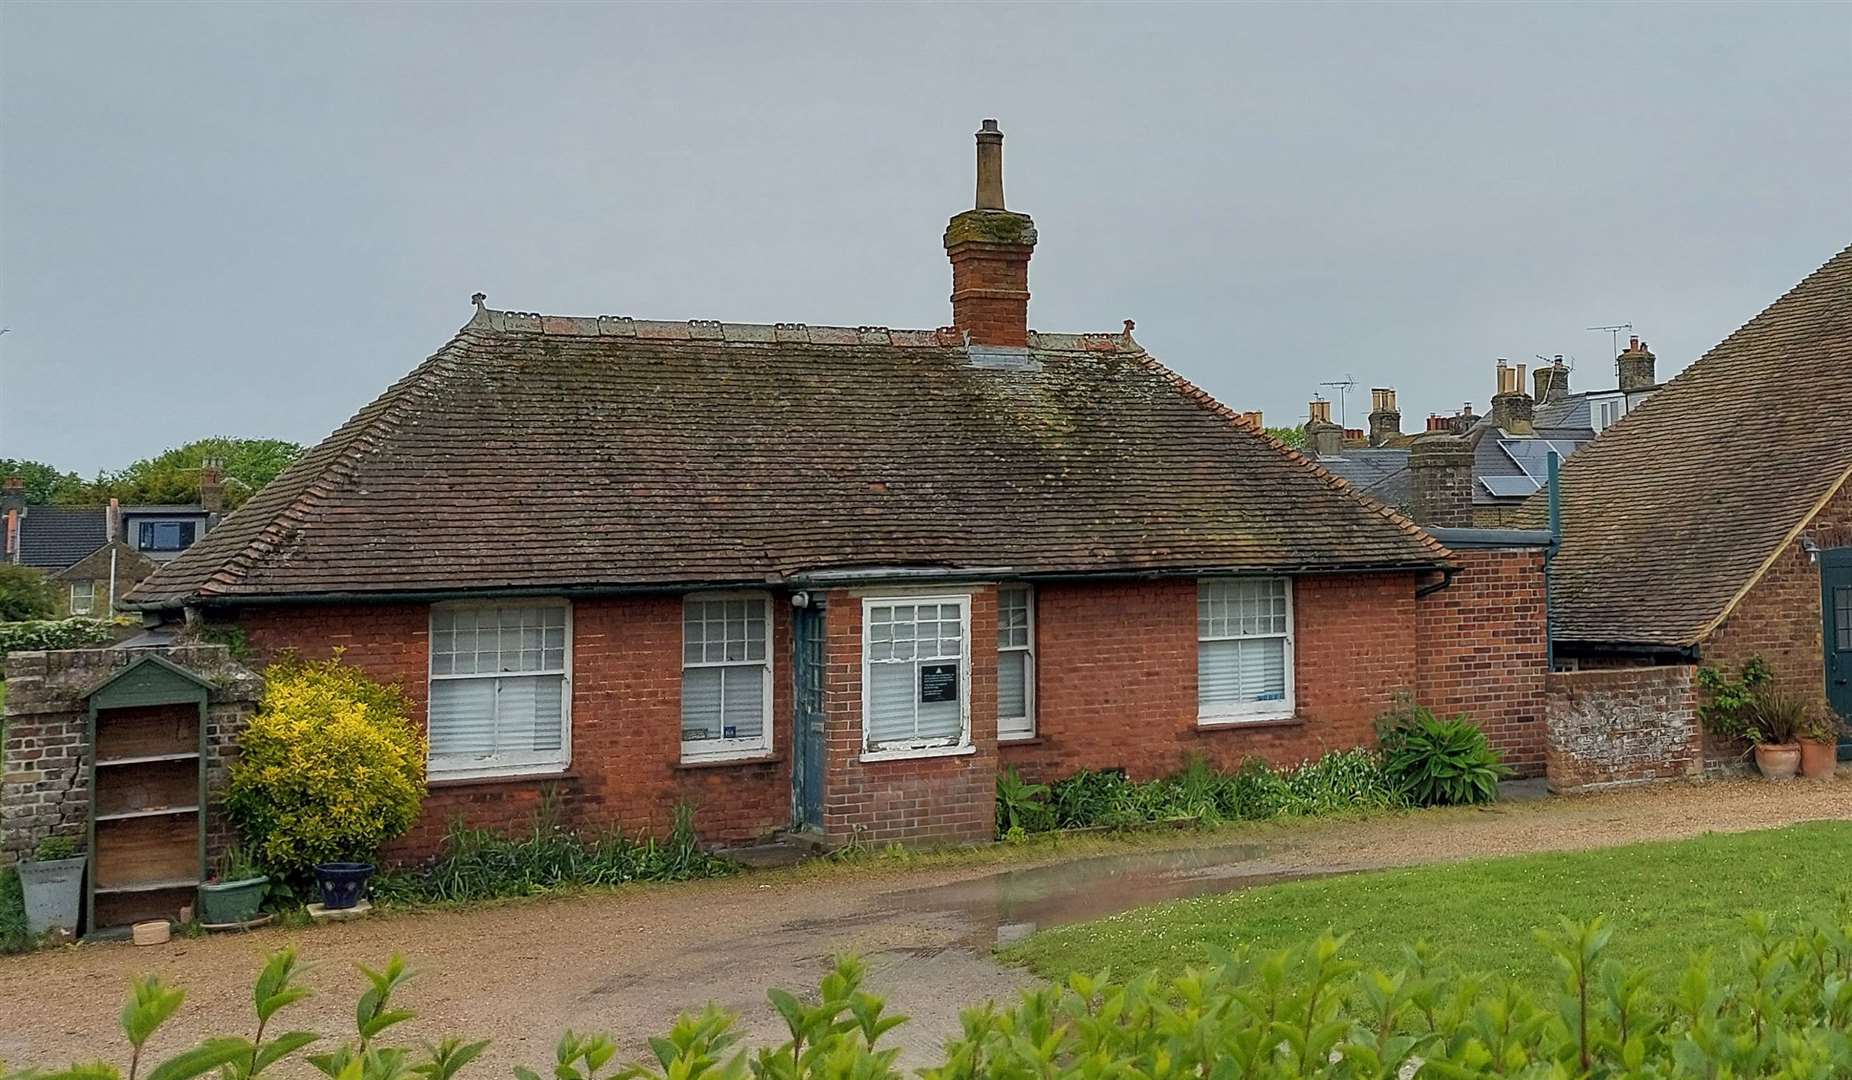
(807, 723)
(1836, 604)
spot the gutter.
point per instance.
(812, 579)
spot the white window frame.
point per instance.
(89, 605)
(516, 765)
(1250, 712)
(729, 749)
(1028, 651)
(921, 748)
(1608, 413)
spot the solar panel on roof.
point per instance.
(1508, 487)
(1533, 455)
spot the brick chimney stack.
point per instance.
(1512, 408)
(212, 485)
(1385, 418)
(1552, 382)
(1322, 437)
(1440, 481)
(990, 247)
(1635, 367)
(12, 506)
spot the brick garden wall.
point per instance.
(45, 761)
(1622, 726)
(1483, 649)
(1780, 618)
(1116, 676)
(626, 770)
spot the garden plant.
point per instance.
(1779, 1007)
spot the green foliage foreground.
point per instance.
(1780, 1006)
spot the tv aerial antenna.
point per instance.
(1613, 333)
(1343, 386)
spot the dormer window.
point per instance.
(165, 535)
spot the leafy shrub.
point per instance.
(1775, 714)
(481, 864)
(1725, 710)
(54, 634)
(1782, 1010)
(1340, 781)
(26, 593)
(1022, 807)
(328, 769)
(1436, 762)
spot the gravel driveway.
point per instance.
(627, 962)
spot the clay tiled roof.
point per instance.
(535, 452)
(1673, 512)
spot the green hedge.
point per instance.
(1779, 1007)
(54, 634)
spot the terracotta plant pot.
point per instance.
(1819, 759)
(1778, 761)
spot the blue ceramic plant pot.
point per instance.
(342, 884)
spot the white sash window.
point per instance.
(726, 676)
(501, 697)
(1015, 662)
(1244, 649)
(916, 675)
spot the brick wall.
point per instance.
(1483, 650)
(1623, 726)
(1116, 676)
(1780, 618)
(625, 770)
(947, 799)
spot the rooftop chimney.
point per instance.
(1464, 421)
(13, 494)
(112, 520)
(1511, 406)
(1440, 481)
(1635, 367)
(1385, 418)
(1253, 417)
(1552, 382)
(212, 485)
(12, 505)
(1322, 437)
(1440, 422)
(990, 247)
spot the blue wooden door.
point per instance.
(807, 723)
(1836, 606)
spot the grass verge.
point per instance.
(1664, 900)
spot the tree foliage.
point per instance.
(1291, 436)
(173, 477)
(25, 593)
(44, 483)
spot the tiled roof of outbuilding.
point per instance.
(535, 452)
(1674, 512)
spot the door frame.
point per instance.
(809, 622)
(1836, 663)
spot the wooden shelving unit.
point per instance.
(147, 795)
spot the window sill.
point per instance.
(757, 758)
(1031, 739)
(457, 780)
(1263, 720)
(911, 755)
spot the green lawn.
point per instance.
(1664, 900)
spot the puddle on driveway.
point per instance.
(1006, 907)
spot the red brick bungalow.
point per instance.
(836, 578)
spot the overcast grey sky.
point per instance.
(249, 219)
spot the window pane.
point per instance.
(1240, 672)
(940, 720)
(743, 715)
(462, 718)
(701, 703)
(1012, 685)
(889, 709)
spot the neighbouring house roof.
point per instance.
(1510, 467)
(1379, 472)
(54, 537)
(1672, 514)
(1572, 412)
(539, 452)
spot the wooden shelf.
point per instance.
(146, 759)
(149, 886)
(157, 811)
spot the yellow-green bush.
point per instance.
(329, 768)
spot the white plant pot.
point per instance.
(54, 891)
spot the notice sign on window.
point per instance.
(938, 682)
